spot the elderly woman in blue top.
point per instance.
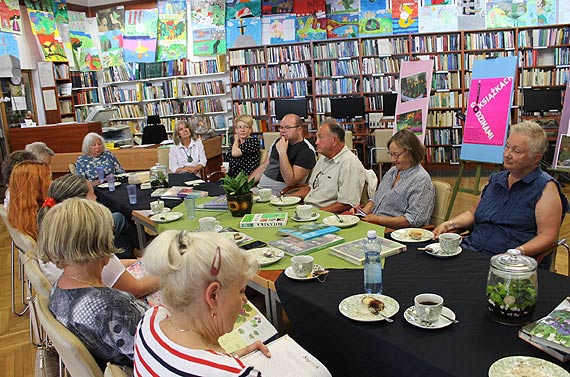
(187, 155)
(406, 196)
(522, 207)
(94, 155)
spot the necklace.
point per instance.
(188, 156)
(178, 328)
(80, 280)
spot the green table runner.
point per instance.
(321, 257)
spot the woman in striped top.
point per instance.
(203, 279)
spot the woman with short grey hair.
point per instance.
(41, 151)
(95, 155)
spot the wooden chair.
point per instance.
(442, 194)
(379, 152)
(269, 138)
(72, 168)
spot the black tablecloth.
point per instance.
(350, 348)
(118, 200)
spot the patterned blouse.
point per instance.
(87, 165)
(104, 319)
(248, 161)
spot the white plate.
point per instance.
(411, 316)
(266, 260)
(525, 366)
(164, 210)
(353, 307)
(194, 182)
(285, 201)
(305, 219)
(404, 235)
(166, 217)
(289, 273)
(242, 238)
(106, 184)
(434, 249)
(258, 200)
(347, 221)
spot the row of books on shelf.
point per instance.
(544, 77)
(288, 53)
(250, 107)
(347, 49)
(494, 39)
(447, 99)
(431, 43)
(442, 119)
(248, 91)
(185, 106)
(66, 106)
(337, 67)
(469, 58)
(288, 89)
(446, 62)
(443, 136)
(446, 80)
(379, 84)
(385, 47)
(130, 111)
(86, 97)
(545, 57)
(442, 154)
(61, 71)
(287, 71)
(381, 65)
(86, 79)
(341, 85)
(204, 88)
(544, 37)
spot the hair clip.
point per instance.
(49, 202)
(182, 247)
(216, 262)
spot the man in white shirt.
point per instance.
(290, 159)
(338, 177)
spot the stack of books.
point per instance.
(177, 192)
(308, 231)
(551, 333)
(353, 251)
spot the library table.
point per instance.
(350, 348)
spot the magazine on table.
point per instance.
(288, 359)
(353, 251)
(551, 333)
(307, 231)
(177, 192)
(292, 246)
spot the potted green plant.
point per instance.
(240, 198)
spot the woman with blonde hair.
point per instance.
(29, 184)
(203, 279)
(245, 153)
(187, 155)
(77, 236)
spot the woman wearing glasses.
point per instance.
(245, 153)
(203, 278)
(405, 196)
(187, 155)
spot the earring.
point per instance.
(214, 315)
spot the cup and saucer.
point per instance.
(435, 250)
(305, 212)
(314, 216)
(428, 312)
(264, 195)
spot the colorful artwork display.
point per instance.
(438, 19)
(342, 25)
(8, 45)
(342, 6)
(85, 55)
(208, 27)
(171, 43)
(375, 22)
(411, 120)
(41, 5)
(277, 29)
(471, 15)
(45, 30)
(276, 6)
(10, 19)
(139, 39)
(404, 16)
(242, 8)
(310, 28)
(111, 22)
(502, 14)
(111, 19)
(60, 11)
(243, 32)
(309, 7)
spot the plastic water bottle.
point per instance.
(111, 182)
(372, 264)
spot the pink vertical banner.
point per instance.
(563, 129)
(413, 96)
(488, 110)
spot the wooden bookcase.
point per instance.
(85, 87)
(63, 108)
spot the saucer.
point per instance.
(411, 316)
(164, 210)
(267, 255)
(435, 250)
(106, 184)
(525, 365)
(285, 201)
(217, 229)
(289, 273)
(412, 235)
(347, 221)
(313, 217)
(166, 217)
(258, 199)
(353, 307)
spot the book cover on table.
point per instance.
(293, 246)
(307, 231)
(177, 192)
(217, 203)
(254, 220)
(353, 251)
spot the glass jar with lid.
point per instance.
(158, 176)
(512, 288)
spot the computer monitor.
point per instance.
(347, 107)
(389, 104)
(101, 114)
(541, 100)
(286, 106)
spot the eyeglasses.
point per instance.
(287, 128)
(396, 155)
(316, 181)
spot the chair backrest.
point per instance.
(21, 241)
(348, 140)
(113, 370)
(75, 356)
(163, 153)
(442, 193)
(35, 275)
(269, 138)
(72, 168)
(381, 137)
(263, 155)
(154, 134)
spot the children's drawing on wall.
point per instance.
(171, 43)
(411, 120)
(112, 48)
(404, 16)
(208, 18)
(243, 32)
(277, 29)
(276, 6)
(374, 22)
(60, 11)
(309, 7)
(242, 8)
(139, 41)
(546, 11)
(41, 5)
(471, 15)
(342, 25)
(85, 55)
(111, 18)
(10, 20)
(43, 26)
(310, 28)
(343, 6)
(504, 14)
(438, 19)
(413, 87)
(8, 45)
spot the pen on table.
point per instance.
(358, 210)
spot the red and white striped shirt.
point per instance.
(156, 355)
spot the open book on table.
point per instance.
(353, 251)
(288, 359)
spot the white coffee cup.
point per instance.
(208, 224)
(449, 242)
(157, 206)
(428, 306)
(264, 194)
(226, 166)
(304, 211)
(302, 265)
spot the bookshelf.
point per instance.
(85, 89)
(59, 107)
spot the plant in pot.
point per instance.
(240, 198)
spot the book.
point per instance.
(288, 358)
(551, 333)
(249, 327)
(254, 220)
(293, 246)
(218, 203)
(177, 192)
(353, 251)
(307, 231)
